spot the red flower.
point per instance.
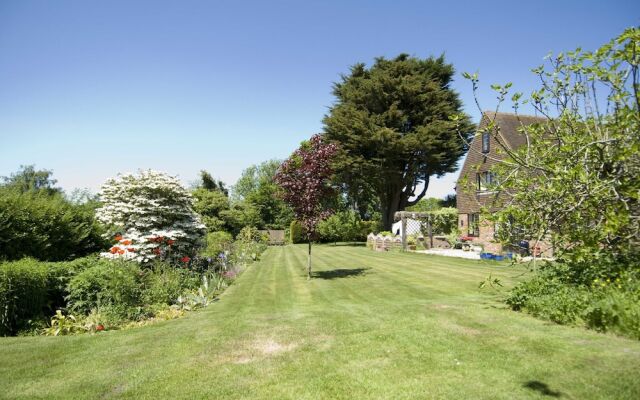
(114, 250)
(118, 237)
(126, 242)
(131, 250)
(185, 259)
(121, 252)
(170, 242)
(156, 250)
(99, 327)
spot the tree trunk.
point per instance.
(393, 199)
(388, 212)
(390, 202)
(309, 262)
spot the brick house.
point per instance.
(472, 193)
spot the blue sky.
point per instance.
(89, 89)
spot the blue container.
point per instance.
(485, 256)
(498, 257)
(509, 256)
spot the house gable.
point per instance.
(470, 200)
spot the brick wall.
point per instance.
(486, 232)
(468, 199)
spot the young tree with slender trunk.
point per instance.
(305, 180)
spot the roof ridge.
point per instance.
(510, 114)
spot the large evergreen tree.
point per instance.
(392, 122)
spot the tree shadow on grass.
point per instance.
(339, 273)
(542, 388)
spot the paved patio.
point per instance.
(471, 255)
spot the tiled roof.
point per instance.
(509, 125)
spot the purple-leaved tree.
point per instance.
(304, 179)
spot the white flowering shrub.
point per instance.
(151, 216)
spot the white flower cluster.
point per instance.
(154, 215)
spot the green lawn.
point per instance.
(370, 325)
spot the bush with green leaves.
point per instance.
(296, 233)
(607, 305)
(163, 284)
(106, 284)
(444, 221)
(249, 244)
(217, 243)
(344, 226)
(23, 293)
(46, 226)
(31, 289)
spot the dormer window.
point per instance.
(485, 142)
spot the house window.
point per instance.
(474, 225)
(484, 180)
(485, 142)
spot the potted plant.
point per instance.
(466, 242)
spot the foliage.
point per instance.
(576, 182)
(449, 200)
(106, 284)
(109, 294)
(45, 226)
(211, 204)
(426, 204)
(605, 304)
(217, 243)
(239, 215)
(444, 221)
(62, 325)
(203, 296)
(30, 289)
(252, 234)
(208, 183)
(257, 187)
(30, 180)
(372, 226)
(296, 232)
(392, 123)
(304, 179)
(249, 244)
(163, 284)
(344, 226)
(23, 293)
(148, 208)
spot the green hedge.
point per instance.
(607, 305)
(31, 289)
(296, 232)
(46, 227)
(23, 293)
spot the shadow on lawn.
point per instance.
(542, 388)
(339, 273)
